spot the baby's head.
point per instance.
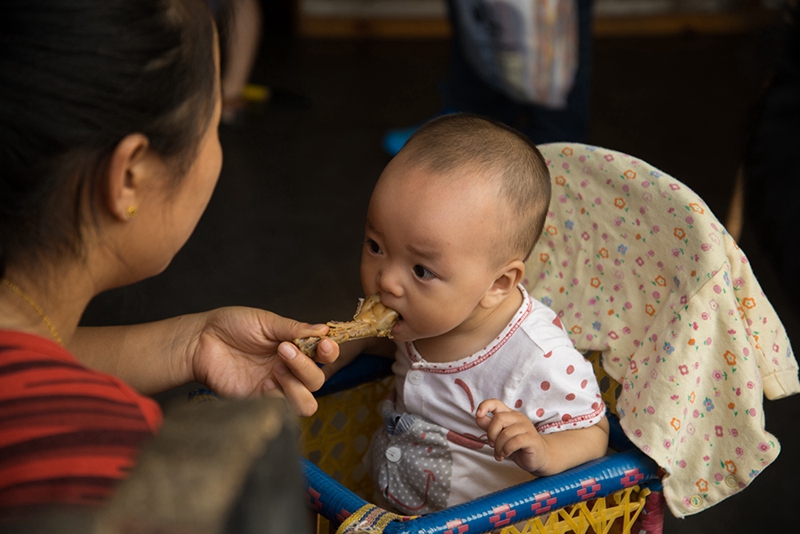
(470, 151)
(452, 219)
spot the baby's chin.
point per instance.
(404, 332)
(401, 332)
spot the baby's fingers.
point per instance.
(491, 406)
(488, 411)
(510, 440)
(498, 423)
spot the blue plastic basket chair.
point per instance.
(605, 495)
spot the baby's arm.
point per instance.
(513, 436)
(379, 346)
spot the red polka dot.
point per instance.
(595, 405)
(571, 396)
(518, 404)
(423, 435)
(584, 383)
(548, 354)
(540, 412)
(430, 450)
(566, 417)
(545, 385)
(570, 370)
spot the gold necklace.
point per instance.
(35, 307)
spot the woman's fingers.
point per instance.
(327, 351)
(278, 327)
(302, 367)
(298, 396)
(297, 376)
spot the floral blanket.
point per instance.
(637, 266)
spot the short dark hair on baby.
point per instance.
(451, 142)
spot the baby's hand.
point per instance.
(512, 435)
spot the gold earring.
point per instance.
(132, 211)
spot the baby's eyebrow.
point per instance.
(429, 254)
(372, 228)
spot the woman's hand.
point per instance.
(236, 351)
(245, 352)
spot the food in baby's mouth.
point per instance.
(372, 319)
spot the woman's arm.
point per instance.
(235, 351)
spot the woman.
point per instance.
(109, 155)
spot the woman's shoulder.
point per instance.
(37, 371)
(34, 365)
(21, 352)
(69, 433)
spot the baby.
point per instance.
(489, 391)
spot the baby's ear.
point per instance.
(508, 278)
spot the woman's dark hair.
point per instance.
(76, 77)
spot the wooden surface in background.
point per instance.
(736, 22)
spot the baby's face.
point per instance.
(427, 250)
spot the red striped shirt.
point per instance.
(68, 433)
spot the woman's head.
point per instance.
(76, 78)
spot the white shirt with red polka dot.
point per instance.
(531, 367)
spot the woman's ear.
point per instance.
(507, 280)
(127, 177)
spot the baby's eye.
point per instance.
(422, 273)
(373, 246)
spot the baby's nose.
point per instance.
(389, 282)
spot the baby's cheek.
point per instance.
(427, 329)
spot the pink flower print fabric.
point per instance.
(636, 266)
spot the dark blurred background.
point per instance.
(673, 83)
